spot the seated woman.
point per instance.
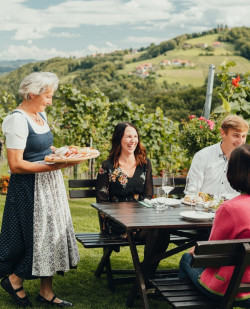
(232, 221)
(126, 176)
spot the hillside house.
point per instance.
(133, 51)
(144, 74)
(142, 70)
(216, 44)
(201, 45)
(165, 62)
(179, 62)
(186, 45)
(144, 67)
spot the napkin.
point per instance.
(149, 205)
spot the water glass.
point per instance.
(160, 205)
(199, 207)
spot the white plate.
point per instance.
(165, 201)
(187, 203)
(172, 202)
(197, 216)
(71, 160)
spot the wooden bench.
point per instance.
(183, 294)
(85, 188)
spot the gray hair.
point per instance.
(38, 83)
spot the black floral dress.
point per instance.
(115, 186)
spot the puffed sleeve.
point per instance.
(148, 186)
(15, 130)
(102, 184)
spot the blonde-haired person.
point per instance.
(231, 222)
(37, 236)
(209, 165)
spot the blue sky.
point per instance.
(42, 29)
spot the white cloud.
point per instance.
(33, 52)
(92, 49)
(30, 52)
(35, 24)
(145, 40)
(65, 35)
(150, 19)
(28, 23)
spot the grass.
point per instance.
(80, 286)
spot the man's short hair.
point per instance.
(234, 122)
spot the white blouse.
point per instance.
(15, 129)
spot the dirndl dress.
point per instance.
(37, 237)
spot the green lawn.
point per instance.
(80, 286)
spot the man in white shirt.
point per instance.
(209, 165)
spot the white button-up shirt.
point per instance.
(208, 173)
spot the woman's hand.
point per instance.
(191, 251)
(53, 148)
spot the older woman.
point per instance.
(126, 176)
(232, 221)
(37, 237)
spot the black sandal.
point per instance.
(22, 302)
(51, 302)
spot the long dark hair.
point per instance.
(238, 172)
(115, 152)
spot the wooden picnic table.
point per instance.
(136, 216)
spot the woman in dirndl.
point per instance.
(37, 237)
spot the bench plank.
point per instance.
(182, 294)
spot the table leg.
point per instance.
(140, 283)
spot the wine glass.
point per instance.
(167, 182)
(192, 190)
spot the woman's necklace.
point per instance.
(37, 119)
(34, 116)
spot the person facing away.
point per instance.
(232, 221)
(209, 165)
(126, 176)
(37, 237)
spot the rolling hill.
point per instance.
(200, 58)
(171, 75)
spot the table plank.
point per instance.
(134, 215)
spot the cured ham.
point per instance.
(72, 154)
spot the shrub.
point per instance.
(198, 133)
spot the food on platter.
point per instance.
(188, 199)
(206, 196)
(72, 154)
(211, 206)
(192, 199)
(200, 197)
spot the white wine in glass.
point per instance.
(167, 182)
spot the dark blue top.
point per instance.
(37, 145)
